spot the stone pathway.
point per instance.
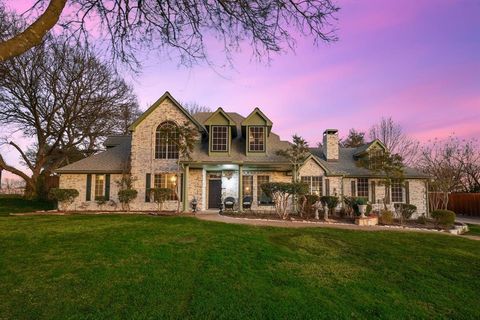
(467, 219)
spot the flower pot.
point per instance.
(362, 208)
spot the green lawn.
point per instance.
(473, 230)
(16, 204)
(102, 267)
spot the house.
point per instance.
(235, 156)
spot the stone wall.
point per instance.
(79, 182)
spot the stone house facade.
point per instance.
(233, 157)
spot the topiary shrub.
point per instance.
(126, 196)
(386, 217)
(405, 211)
(331, 202)
(63, 196)
(307, 202)
(444, 218)
(422, 219)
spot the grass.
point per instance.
(473, 230)
(114, 266)
(17, 204)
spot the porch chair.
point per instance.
(247, 202)
(229, 203)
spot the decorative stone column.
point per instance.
(240, 188)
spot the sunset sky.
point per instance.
(417, 61)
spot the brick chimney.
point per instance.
(330, 144)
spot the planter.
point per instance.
(366, 221)
(362, 208)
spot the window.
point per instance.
(256, 139)
(397, 191)
(362, 187)
(314, 184)
(165, 141)
(220, 138)
(262, 198)
(375, 157)
(166, 180)
(99, 186)
(247, 186)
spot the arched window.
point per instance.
(165, 141)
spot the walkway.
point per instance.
(467, 219)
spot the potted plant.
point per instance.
(362, 206)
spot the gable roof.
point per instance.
(250, 119)
(366, 147)
(166, 95)
(323, 164)
(211, 120)
(113, 160)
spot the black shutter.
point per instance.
(147, 187)
(107, 187)
(88, 193)
(387, 194)
(354, 185)
(327, 187)
(374, 199)
(407, 192)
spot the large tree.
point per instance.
(354, 139)
(178, 27)
(395, 139)
(65, 100)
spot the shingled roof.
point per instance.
(113, 160)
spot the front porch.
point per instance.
(210, 184)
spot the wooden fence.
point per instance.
(463, 203)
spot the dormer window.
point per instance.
(256, 139)
(220, 138)
(375, 158)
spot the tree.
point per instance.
(63, 98)
(179, 27)
(354, 139)
(126, 193)
(454, 165)
(195, 107)
(160, 195)
(397, 142)
(281, 192)
(387, 166)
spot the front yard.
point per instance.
(177, 267)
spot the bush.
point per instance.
(100, 200)
(160, 195)
(308, 201)
(444, 218)
(330, 202)
(369, 209)
(422, 219)
(125, 196)
(281, 192)
(386, 217)
(406, 210)
(65, 196)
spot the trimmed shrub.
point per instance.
(444, 218)
(126, 196)
(422, 219)
(64, 196)
(406, 210)
(331, 202)
(386, 217)
(308, 201)
(369, 209)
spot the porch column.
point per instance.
(186, 171)
(240, 188)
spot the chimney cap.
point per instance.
(330, 131)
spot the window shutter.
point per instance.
(88, 193)
(147, 187)
(374, 199)
(354, 185)
(407, 192)
(387, 194)
(107, 187)
(327, 187)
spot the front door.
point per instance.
(214, 193)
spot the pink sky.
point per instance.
(415, 60)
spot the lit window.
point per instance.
(262, 198)
(397, 191)
(166, 180)
(314, 184)
(362, 187)
(247, 186)
(166, 141)
(256, 139)
(220, 138)
(99, 186)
